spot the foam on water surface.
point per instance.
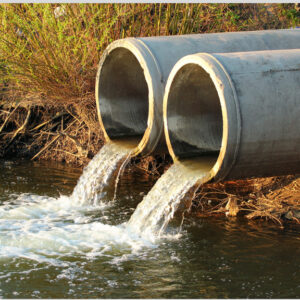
(37, 227)
(50, 228)
(56, 247)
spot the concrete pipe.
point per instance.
(239, 110)
(132, 74)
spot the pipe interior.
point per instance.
(123, 96)
(194, 114)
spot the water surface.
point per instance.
(51, 248)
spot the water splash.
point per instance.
(40, 227)
(98, 173)
(48, 229)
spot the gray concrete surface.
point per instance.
(133, 72)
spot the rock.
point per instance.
(231, 207)
(292, 214)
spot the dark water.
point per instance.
(213, 258)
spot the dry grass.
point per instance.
(274, 198)
(40, 132)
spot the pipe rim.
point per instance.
(231, 118)
(151, 72)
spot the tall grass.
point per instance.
(53, 59)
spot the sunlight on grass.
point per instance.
(51, 51)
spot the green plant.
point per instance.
(53, 50)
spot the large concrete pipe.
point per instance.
(132, 74)
(241, 109)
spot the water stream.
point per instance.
(97, 175)
(42, 227)
(154, 213)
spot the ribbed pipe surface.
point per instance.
(132, 74)
(241, 108)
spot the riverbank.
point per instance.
(38, 133)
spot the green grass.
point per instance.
(55, 59)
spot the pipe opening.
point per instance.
(194, 115)
(123, 96)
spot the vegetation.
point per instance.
(273, 198)
(50, 52)
(49, 55)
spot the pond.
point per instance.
(51, 248)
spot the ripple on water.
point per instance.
(53, 247)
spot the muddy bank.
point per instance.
(73, 136)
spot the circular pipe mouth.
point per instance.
(200, 110)
(123, 90)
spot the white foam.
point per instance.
(42, 228)
(47, 229)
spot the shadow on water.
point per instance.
(213, 258)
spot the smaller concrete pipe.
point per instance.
(241, 108)
(133, 72)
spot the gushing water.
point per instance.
(98, 173)
(39, 227)
(53, 247)
(154, 213)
